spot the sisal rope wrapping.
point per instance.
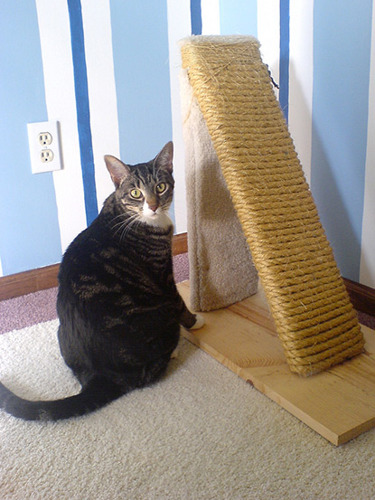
(315, 320)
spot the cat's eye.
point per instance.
(136, 194)
(160, 188)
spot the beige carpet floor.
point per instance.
(200, 433)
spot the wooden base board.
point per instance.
(339, 403)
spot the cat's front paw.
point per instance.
(199, 322)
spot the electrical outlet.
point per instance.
(46, 155)
(44, 144)
(45, 139)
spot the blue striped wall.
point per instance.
(196, 17)
(284, 57)
(137, 59)
(83, 109)
(238, 17)
(340, 114)
(29, 232)
(142, 78)
(140, 53)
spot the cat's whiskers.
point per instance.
(124, 224)
(135, 223)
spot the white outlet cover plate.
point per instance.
(33, 130)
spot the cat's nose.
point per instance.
(153, 207)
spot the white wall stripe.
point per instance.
(301, 79)
(179, 26)
(210, 17)
(55, 39)
(102, 90)
(269, 34)
(367, 265)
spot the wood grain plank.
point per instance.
(339, 403)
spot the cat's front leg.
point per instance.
(187, 319)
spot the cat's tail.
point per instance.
(96, 394)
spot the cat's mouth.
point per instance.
(159, 218)
(148, 212)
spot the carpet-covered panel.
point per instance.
(221, 267)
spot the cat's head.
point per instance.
(145, 190)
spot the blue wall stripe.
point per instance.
(83, 109)
(29, 229)
(239, 17)
(284, 57)
(196, 17)
(341, 71)
(142, 77)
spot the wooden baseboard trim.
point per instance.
(28, 282)
(46, 277)
(179, 244)
(362, 297)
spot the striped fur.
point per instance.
(118, 306)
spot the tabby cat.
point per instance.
(118, 305)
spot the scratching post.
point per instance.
(315, 320)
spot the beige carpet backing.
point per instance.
(221, 267)
(201, 433)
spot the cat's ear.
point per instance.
(117, 169)
(165, 158)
